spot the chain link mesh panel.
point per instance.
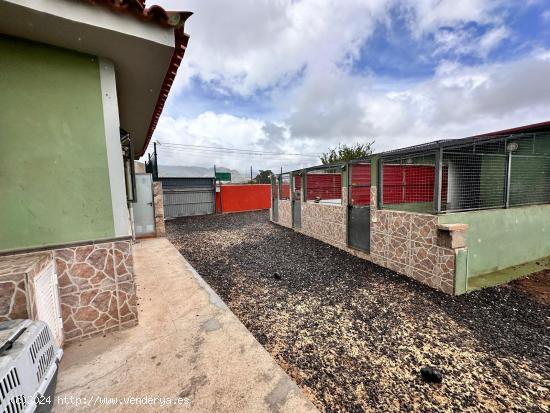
(324, 186)
(408, 183)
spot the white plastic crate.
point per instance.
(29, 358)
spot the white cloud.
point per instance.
(492, 39)
(245, 45)
(459, 101)
(240, 47)
(209, 130)
(431, 15)
(465, 41)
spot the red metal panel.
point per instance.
(393, 184)
(360, 181)
(360, 174)
(324, 186)
(360, 195)
(285, 191)
(297, 182)
(238, 198)
(408, 183)
(419, 183)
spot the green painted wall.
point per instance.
(492, 180)
(423, 207)
(501, 238)
(374, 170)
(54, 180)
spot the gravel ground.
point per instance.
(354, 335)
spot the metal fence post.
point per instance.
(380, 183)
(507, 180)
(438, 180)
(304, 184)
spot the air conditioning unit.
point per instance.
(29, 359)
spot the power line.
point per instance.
(237, 155)
(225, 149)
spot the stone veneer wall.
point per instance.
(285, 213)
(158, 201)
(404, 242)
(96, 288)
(17, 288)
(327, 223)
(407, 244)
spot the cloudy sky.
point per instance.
(290, 78)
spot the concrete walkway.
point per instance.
(187, 345)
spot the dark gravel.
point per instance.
(354, 335)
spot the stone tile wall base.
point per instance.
(158, 201)
(17, 284)
(13, 297)
(407, 243)
(404, 242)
(285, 213)
(96, 288)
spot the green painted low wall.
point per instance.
(54, 180)
(501, 238)
(422, 207)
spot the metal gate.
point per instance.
(274, 198)
(188, 196)
(359, 181)
(296, 201)
(144, 212)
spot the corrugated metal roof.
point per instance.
(446, 143)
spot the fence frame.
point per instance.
(445, 147)
(341, 166)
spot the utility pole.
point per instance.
(251, 173)
(155, 166)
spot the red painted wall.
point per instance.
(238, 198)
(408, 183)
(360, 181)
(324, 186)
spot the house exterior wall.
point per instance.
(121, 218)
(54, 159)
(18, 291)
(96, 288)
(14, 291)
(501, 238)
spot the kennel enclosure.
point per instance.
(453, 214)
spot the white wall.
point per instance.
(114, 149)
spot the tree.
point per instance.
(345, 152)
(264, 177)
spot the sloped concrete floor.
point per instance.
(188, 344)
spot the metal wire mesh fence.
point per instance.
(500, 173)
(359, 184)
(529, 180)
(474, 181)
(408, 183)
(506, 172)
(284, 187)
(324, 185)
